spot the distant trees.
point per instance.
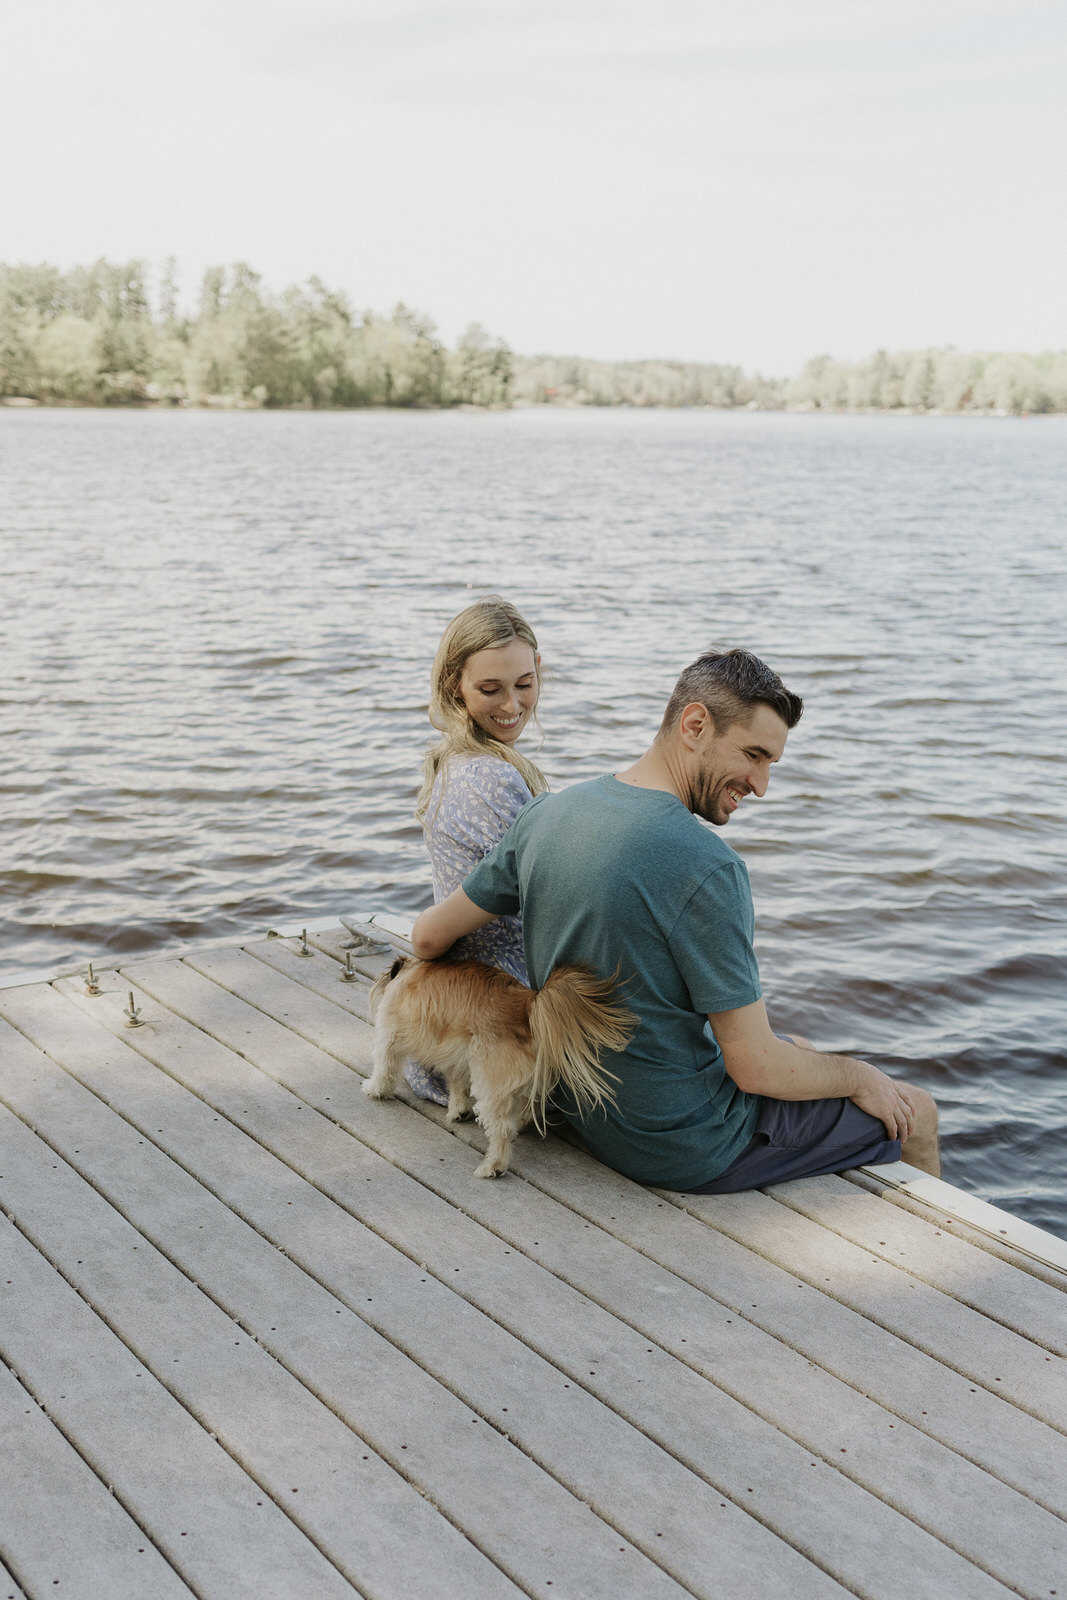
(484, 368)
(572, 380)
(92, 336)
(84, 335)
(933, 380)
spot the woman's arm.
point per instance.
(438, 927)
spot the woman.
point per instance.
(484, 685)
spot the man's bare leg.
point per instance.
(920, 1149)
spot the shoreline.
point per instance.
(805, 409)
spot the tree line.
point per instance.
(995, 382)
(93, 335)
(100, 335)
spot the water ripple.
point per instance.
(217, 634)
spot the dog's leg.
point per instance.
(389, 1061)
(460, 1104)
(497, 1105)
(501, 1124)
(501, 1133)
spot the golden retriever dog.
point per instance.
(501, 1048)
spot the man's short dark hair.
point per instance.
(730, 684)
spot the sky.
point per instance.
(757, 182)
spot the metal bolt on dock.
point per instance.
(91, 985)
(349, 974)
(305, 949)
(133, 1014)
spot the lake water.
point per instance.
(217, 637)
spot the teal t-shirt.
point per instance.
(626, 879)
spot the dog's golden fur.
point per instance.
(501, 1048)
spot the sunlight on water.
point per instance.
(218, 628)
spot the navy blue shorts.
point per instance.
(803, 1139)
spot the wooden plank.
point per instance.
(260, 1042)
(982, 1426)
(584, 1437)
(60, 1526)
(1027, 1248)
(403, 1548)
(209, 1519)
(9, 1589)
(964, 1340)
(972, 1513)
(320, 976)
(611, 1463)
(972, 1276)
(906, 1381)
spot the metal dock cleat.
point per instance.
(365, 938)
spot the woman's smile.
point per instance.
(499, 689)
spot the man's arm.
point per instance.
(761, 1063)
(438, 927)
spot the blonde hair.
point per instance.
(486, 625)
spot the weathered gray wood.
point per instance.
(962, 1339)
(207, 1516)
(9, 1589)
(685, 1526)
(972, 1276)
(1031, 1251)
(600, 1326)
(399, 1547)
(1000, 1529)
(321, 977)
(433, 1325)
(908, 1382)
(60, 1526)
(982, 1426)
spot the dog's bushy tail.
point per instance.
(573, 1018)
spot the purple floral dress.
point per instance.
(475, 800)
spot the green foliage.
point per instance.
(85, 335)
(90, 336)
(569, 380)
(483, 369)
(934, 380)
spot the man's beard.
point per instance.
(708, 791)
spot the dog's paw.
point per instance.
(374, 1090)
(490, 1169)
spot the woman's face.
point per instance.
(499, 689)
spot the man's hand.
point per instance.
(882, 1097)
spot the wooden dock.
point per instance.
(265, 1338)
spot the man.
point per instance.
(619, 874)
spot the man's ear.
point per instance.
(694, 720)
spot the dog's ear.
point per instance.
(398, 966)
